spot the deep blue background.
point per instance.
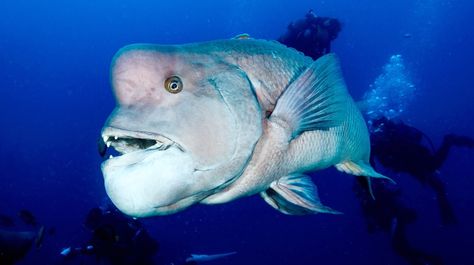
(55, 96)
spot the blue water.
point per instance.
(55, 96)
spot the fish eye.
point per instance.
(173, 84)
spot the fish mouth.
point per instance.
(121, 143)
(147, 169)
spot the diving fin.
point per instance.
(316, 100)
(295, 195)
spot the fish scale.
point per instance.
(273, 73)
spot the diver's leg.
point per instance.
(401, 246)
(442, 153)
(460, 140)
(412, 255)
(450, 140)
(446, 211)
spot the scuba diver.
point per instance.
(401, 148)
(311, 35)
(116, 239)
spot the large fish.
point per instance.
(212, 122)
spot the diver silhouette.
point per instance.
(311, 35)
(403, 148)
(116, 240)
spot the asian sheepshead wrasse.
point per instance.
(211, 122)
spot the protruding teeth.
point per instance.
(111, 156)
(116, 138)
(108, 144)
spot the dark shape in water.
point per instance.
(94, 218)
(27, 217)
(407, 35)
(115, 239)
(52, 231)
(401, 148)
(312, 35)
(15, 245)
(6, 221)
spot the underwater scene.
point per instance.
(236, 132)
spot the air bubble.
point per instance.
(391, 92)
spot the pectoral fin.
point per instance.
(296, 195)
(316, 100)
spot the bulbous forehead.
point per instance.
(139, 72)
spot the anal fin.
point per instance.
(295, 195)
(361, 168)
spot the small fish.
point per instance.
(212, 122)
(204, 257)
(66, 251)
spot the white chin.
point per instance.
(143, 182)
